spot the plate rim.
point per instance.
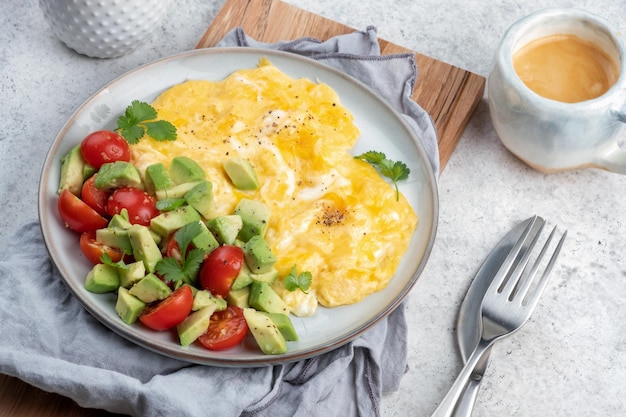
(263, 360)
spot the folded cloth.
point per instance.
(51, 342)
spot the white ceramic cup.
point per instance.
(103, 28)
(550, 135)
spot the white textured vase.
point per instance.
(103, 28)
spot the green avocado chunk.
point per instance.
(145, 249)
(115, 238)
(102, 278)
(72, 171)
(258, 255)
(150, 289)
(168, 222)
(195, 325)
(128, 307)
(116, 175)
(255, 216)
(239, 297)
(284, 324)
(184, 169)
(225, 228)
(264, 298)
(203, 298)
(131, 274)
(265, 332)
(241, 173)
(157, 178)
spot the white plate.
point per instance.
(381, 129)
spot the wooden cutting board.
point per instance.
(449, 94)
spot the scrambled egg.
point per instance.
(332, 215)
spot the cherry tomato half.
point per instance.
(220, 268)
(170, 312)
(77, 215)
(140, 205)
(226, 329)
(94, 197)
(93, 250)
(104, 146)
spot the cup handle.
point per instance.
(613, 157)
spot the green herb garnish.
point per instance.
(138, 119)
(187, 269)
(296, 280)
(106, 259)
(168, 204)
(394, 170)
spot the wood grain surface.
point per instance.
(449, 94)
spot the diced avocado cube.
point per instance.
(255, 216)
(72, 175)
(225, 228)
(128, 307)
(203, 298)
(184, 169)
(157, 178)
(270, 276)
(264, 298)
(243, 279)
(116, 175)
(285, 326)
(239, 297)
(268, 337)
(195, 325)
(115, 238)
(177, 191)
(168, 222)
(88, 171)
(133, 272)
(120, 221)
(200, 197)
(205, 239)
(150, 288)
(258, 255)
(145, 249)
(241, 173)
(102, 278)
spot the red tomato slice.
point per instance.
(93, 250)
(220, 268)
(226, 329)
(77, 215)
(170, 312)
(104, 146)
(140, 205)
(95, 197)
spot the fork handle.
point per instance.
(448, 404)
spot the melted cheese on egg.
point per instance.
(332, 215)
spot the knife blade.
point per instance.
(468, 321)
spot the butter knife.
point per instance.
(468, 323)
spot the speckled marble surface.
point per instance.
(569, 360)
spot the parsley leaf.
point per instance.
(106, 259)
(191, 260)
(138, 119)
(394, 170)
(168, 204)
(295, 281)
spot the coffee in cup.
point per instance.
(557, 93)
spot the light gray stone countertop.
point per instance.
(569, 360)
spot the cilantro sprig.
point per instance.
(138, 119)
(295, 280)
(394, 170)
(187, 269)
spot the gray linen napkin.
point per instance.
(48, 339)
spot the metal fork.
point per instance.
(508, 303)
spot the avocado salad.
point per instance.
(155, 240)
